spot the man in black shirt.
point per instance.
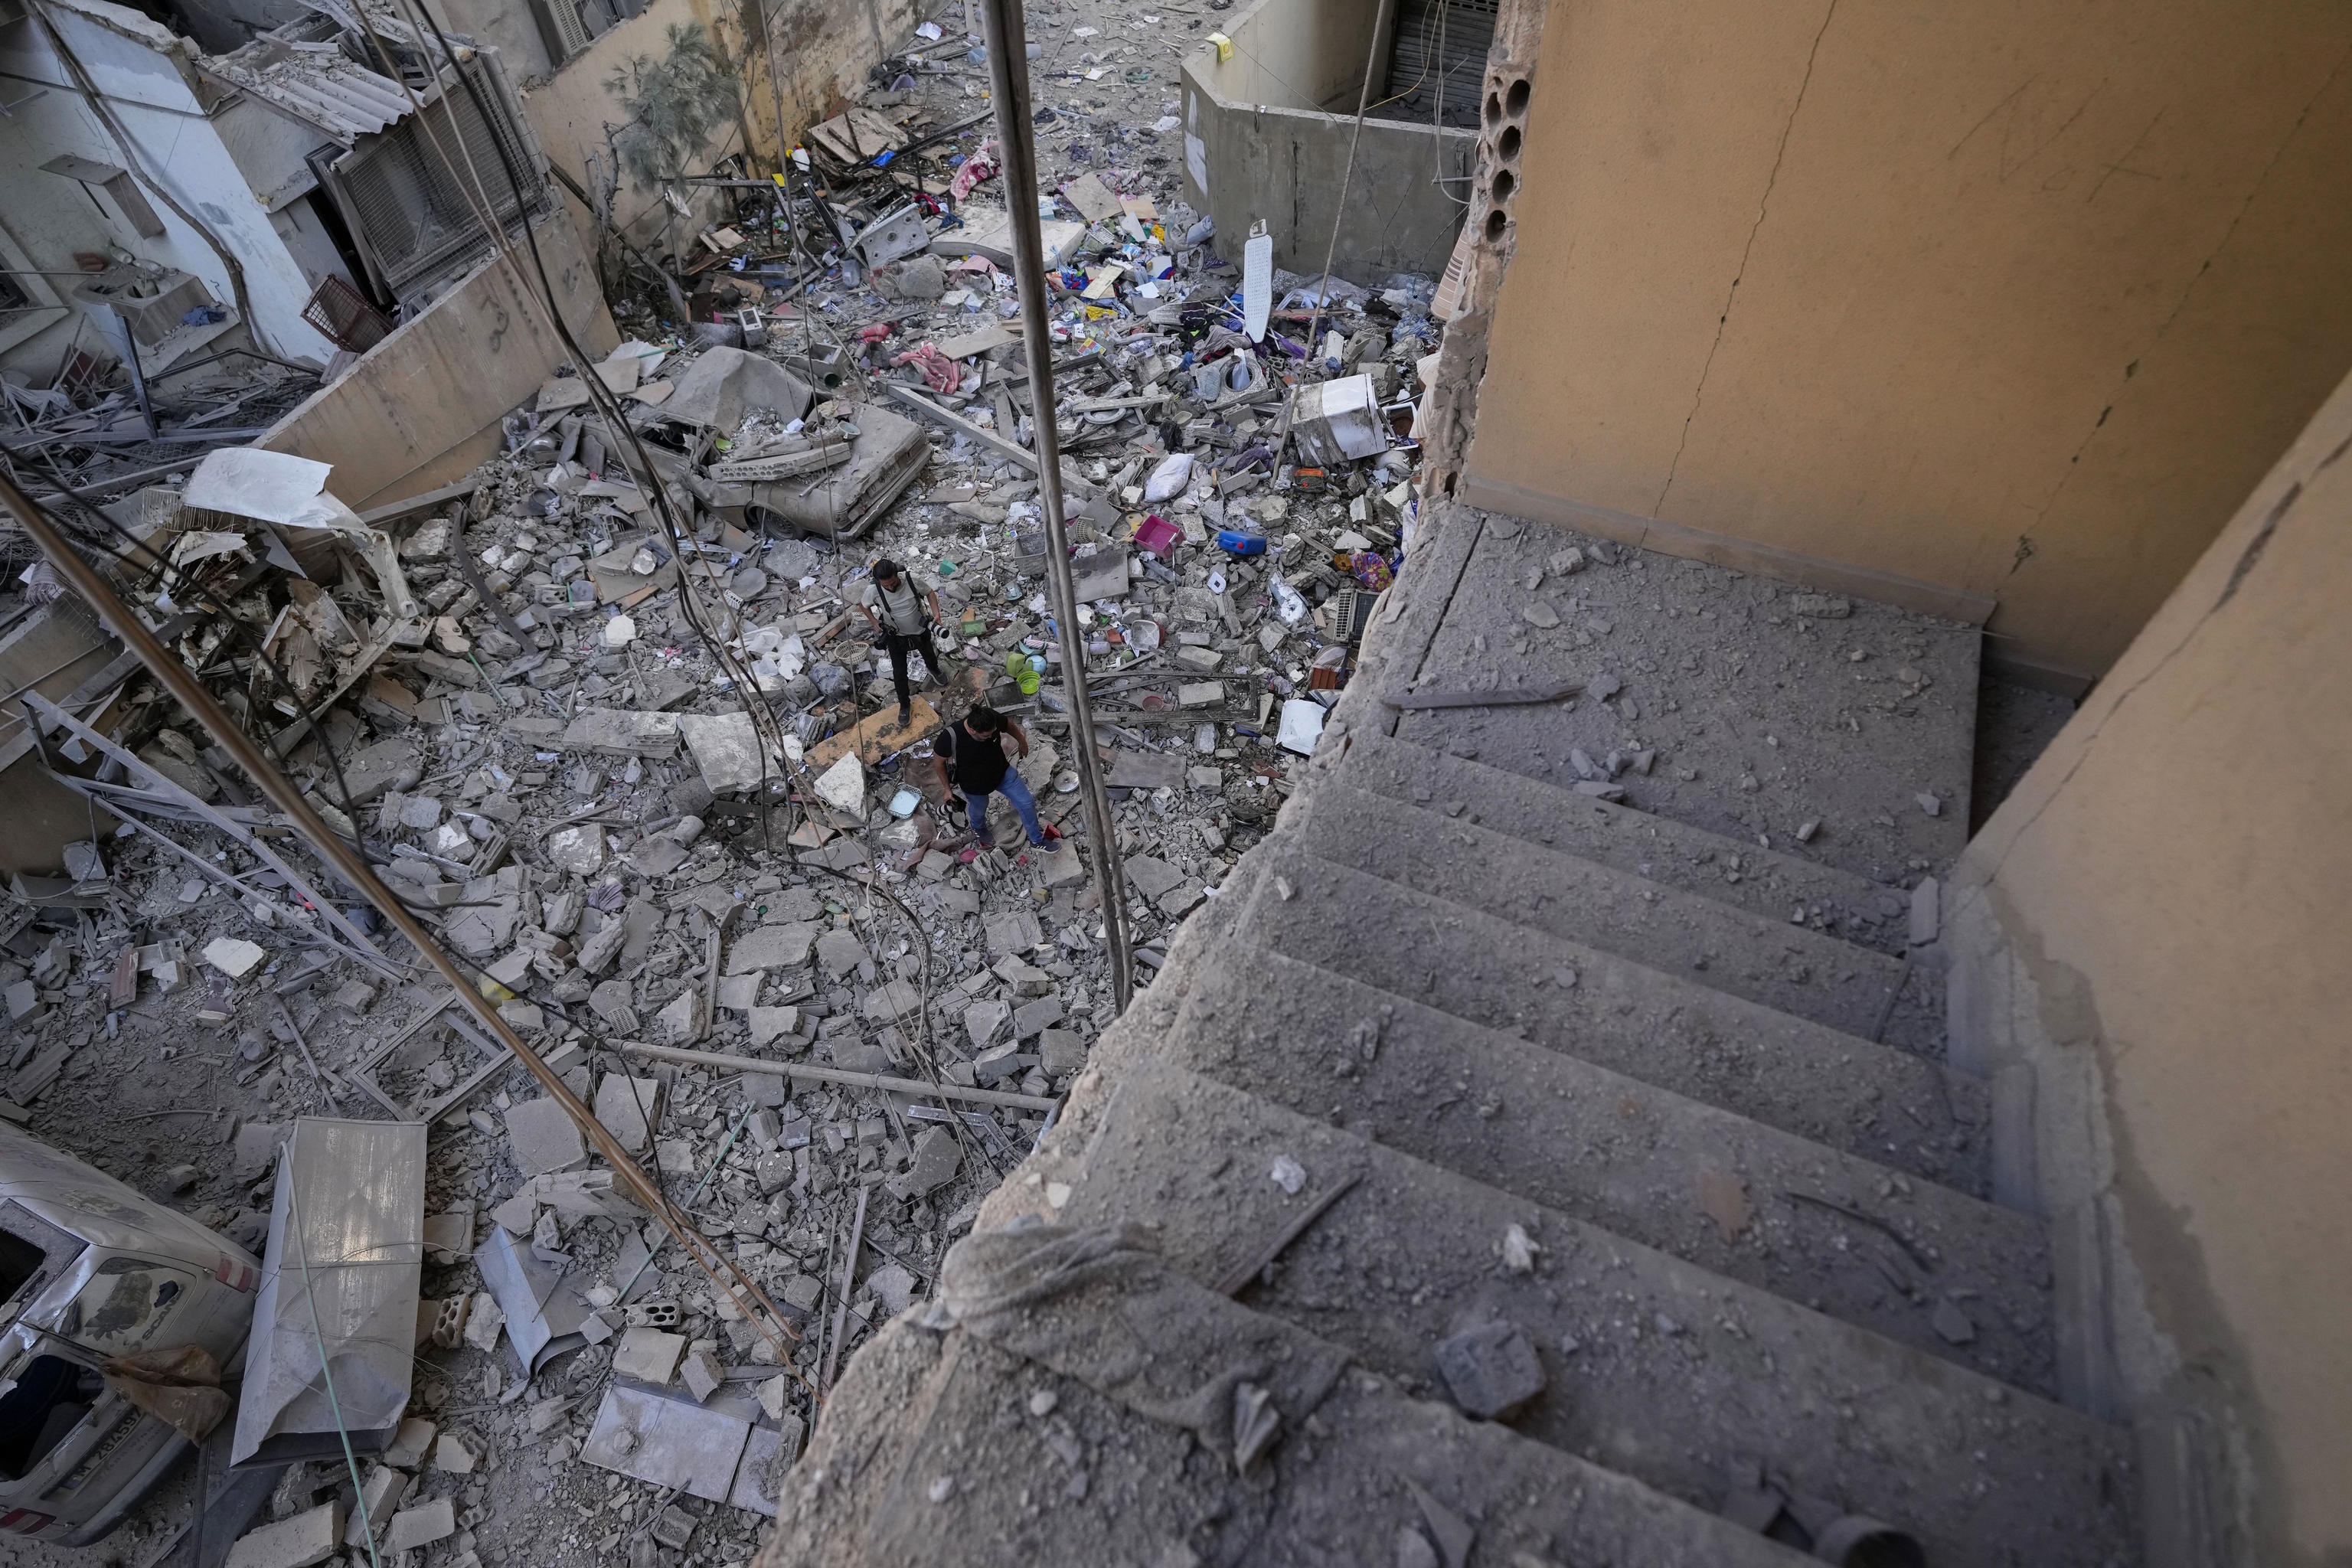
(970, 758)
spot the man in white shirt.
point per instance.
(893, 608)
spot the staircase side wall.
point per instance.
(1966, 308)
(2148, 944)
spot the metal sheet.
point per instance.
(337, 96)
(1439, 51)
(544, 1309)
(350, 1272)
(669, 1441)
(752, 1474)
(245, 481)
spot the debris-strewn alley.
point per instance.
(530, 708)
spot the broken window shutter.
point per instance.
(407, 208)
(561, 28)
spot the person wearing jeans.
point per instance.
(892, 607)
(970, 756)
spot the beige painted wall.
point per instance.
(2173, 882)
(1974, 305)
(423, 407)
(825, 47)
(1297, 54)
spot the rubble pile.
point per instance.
(652, 786)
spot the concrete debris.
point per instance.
(380, 1496)
(1491, 1371)
(234, 956)
(650, 785)
(309, 1537)
(421, 1526)
(1518, 1251)
(410, 1443)
(648, 1355)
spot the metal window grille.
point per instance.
(343, 318)
(409, 212)
(1439, 41)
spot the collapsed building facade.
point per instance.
(1631, 963)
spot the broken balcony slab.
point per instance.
(623, 732)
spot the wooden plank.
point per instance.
(875, 736)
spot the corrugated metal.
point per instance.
(325, 89)
(1440, 45)
(410, 212)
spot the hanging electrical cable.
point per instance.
(471, 186)
(767, 732)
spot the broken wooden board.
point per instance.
(1092, 198)
(858, 137)
(994, 335)
(874, 737)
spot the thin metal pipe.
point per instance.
(1008, 69)
(354, 869)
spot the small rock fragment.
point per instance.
(1491, 1371)
(309, 1537)
(233, 956)
(1951, 1324)
(701, 1373)
(1518, 1250)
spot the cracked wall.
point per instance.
(1995, 313)
(2150, 937)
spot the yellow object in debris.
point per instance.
(492, 990)
(1224, 47)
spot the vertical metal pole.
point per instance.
(776, 92)
(1008, 68)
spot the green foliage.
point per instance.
(674, 104)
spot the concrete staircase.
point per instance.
(1697, 1078)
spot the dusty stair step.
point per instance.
(1023, 1450)
(1769, 883)
(1761, 717)
(1885, 1105)
(1653, 1367)
(1788, 967)
(1944, 1272)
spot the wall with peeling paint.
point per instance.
(827, 48)
(2150, 937)
(1991, 310)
